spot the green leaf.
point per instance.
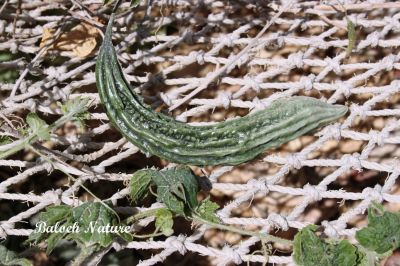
(179, 181)
(106, 2)
(383, 231)
(347, 254)
(54, 238)
(177, 187)
(92, 225)
(170, 200)
(8, 257)
(186, 177)
(92, 218)
(139, 184)
(38, 126)
(206, 210)
(135, 3)
(351, 36)
(76, 110)
(50, 217)
(164, 221)
(54, 214)
(311, 250)
(164, 178)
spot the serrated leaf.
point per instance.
(139, 184)
(191, 187)
(92, 217)
(383, 231)
(183, 183)
(351, 36)
(54, 214)
(166, 178)
(206, 210)
(170, 200)
(49, 217)
(8, 257)
(179, 181)
(54, 238)
(311, 250)
(347, 254)
(164, 221)
(177, 187)
(92, 225)
(76, 110)
(38, 126)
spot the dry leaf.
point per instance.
(80, 40)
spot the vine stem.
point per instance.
(24, 142)
(142, 214)
(198, 219)
(73, 178)
(265, 237)
(148, 235)
(18, 147)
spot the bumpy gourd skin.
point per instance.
(226, 143)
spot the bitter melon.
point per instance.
(225, 143)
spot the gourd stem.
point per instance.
(265, 237)
(141, 215)
(198, 219)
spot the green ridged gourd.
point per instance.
(226, 143)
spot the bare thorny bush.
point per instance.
(173, 50)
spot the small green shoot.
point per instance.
(207, 209)
(74, 110)
(38, 126)
(164, 221)
(351, 36)
(351, 29)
